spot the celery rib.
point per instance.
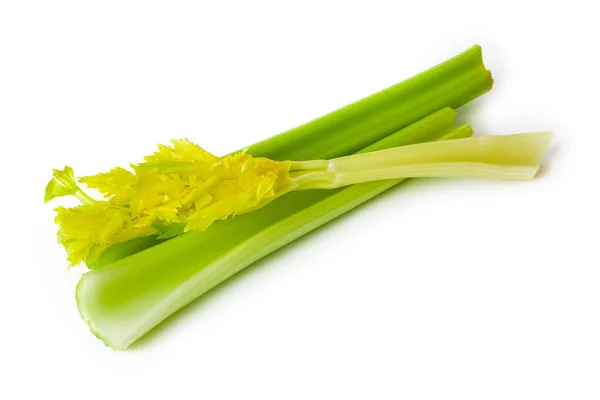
(452, 83)
(500, 157)
(124, 300)
(440, 170)
(516, 149)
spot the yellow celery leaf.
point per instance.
(203, 201)
(199, 193)
(182, 151)
(181, 185)
(117, 183)
(89, 228)
(218, 210)
(245, 184)
(159, 194)
(55, 189)
(146, 192)
(63, 184)
(143, 222)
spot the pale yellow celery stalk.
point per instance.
(500, 157)
(330, 180)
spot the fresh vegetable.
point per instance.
(144, 278)
(351, 128)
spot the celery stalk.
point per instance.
(124, 300)
(452, 83)
(351, 128)
(501, 157)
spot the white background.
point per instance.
(439, 289)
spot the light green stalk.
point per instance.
(452, 83)
(124, 300)
(498, 157)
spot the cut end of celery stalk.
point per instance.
(87, 311)
(122, 301)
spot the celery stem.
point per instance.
(83, 197)
(497, 157)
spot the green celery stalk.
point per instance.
(353, 127)
(452, 83)
(124, 300)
